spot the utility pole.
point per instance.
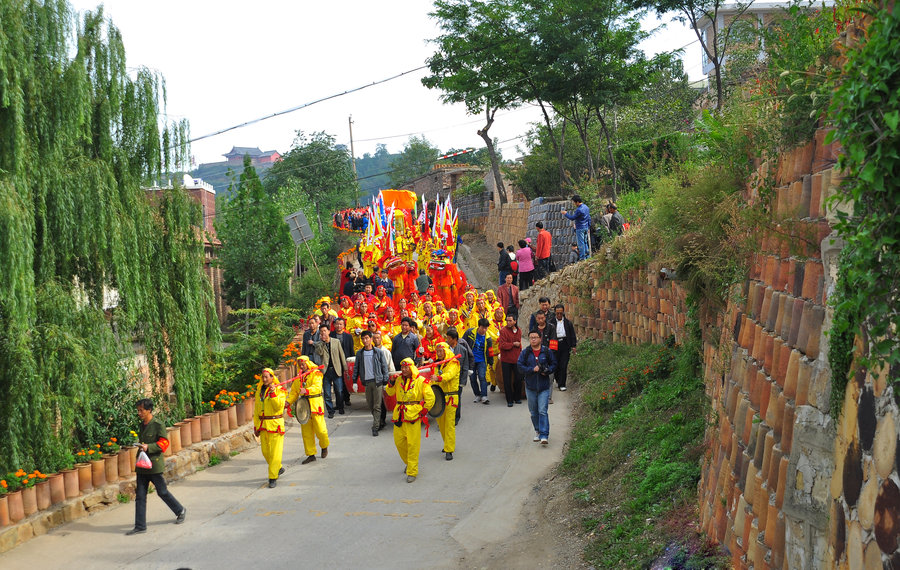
(353, 155)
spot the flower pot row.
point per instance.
(201, 428)
(85, 477)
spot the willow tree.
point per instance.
(90, 265)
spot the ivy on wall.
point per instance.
(90, 264)
(865, 111)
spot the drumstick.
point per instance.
(428, 367)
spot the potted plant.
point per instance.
(98, 466)
(29, 495)
(70, 477)
(129, 449)
(13, 486)
(41, 489)
(111, 458)
(83, 466)
(4, 506)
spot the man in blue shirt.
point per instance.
(582, 218)
(482, 349)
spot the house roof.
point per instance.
(242, 150)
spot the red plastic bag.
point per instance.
(143, 461)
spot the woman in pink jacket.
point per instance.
(524, 255)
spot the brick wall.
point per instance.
(782, 486)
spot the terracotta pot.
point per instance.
(98, 473)
(232, 418)
(4, 511)
(112, 467)
(223, 421)
(15, 506)
(186, 436)
(29, 501)
(248, 410)
(85, 480)
(239, 410)
(57, 488)
(124, 461)
(70, 478)
(132, 457)
(174, 440)
(42, 494)
(205, 427)
(214, 429)
(196, 432)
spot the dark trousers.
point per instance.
(512, 382)
(562, 366)
(140, 500)
(526, 279)
(332, 379)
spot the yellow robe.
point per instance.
(408, 436)
(270, 402)
(449, 383)
(315, 427)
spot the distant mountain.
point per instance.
(374, 171)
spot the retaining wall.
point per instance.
(783, 485)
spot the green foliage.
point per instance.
(417, 158)
(92, 263)
(865, 111)
(256, 252)
(641, 424)
(234, 366)
(799, 49)
(374, 171)
(470, 185)
(214, 460)
(123, 498)
(322, 170)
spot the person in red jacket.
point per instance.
(542, 251)
(510, 347)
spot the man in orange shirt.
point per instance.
(542, 252)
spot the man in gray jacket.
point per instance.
(372, 368)
(330, 353)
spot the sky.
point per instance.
(227, 62)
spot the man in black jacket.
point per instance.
(503, 263)
(405, 344)
(372, 368)
(346, 340)
(562, 341)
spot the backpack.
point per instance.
(514, 265)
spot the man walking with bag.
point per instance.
(153, 442)
(372, 368)
(536, 363)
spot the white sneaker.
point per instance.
(563, 389)
(484, 400)
(537, 438)
(544, 441)
(477, 399)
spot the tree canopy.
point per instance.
(91, 266)
(417, 158)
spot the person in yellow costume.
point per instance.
(492, 301)
(494, 373)
(414, 398)
(481, 312)
(268, 422)
(447, 377)
(309, 385)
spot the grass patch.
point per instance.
(123, 498)
(635, 453)
(235, 452)
(214, 460)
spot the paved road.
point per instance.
(351, 510)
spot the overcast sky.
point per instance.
(226, 62)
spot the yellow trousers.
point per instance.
(447, 424)
(408, 439)
(314, 428)
(272, 445)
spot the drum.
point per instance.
(301, 410)
(439, 402)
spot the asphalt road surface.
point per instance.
(351, 510)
